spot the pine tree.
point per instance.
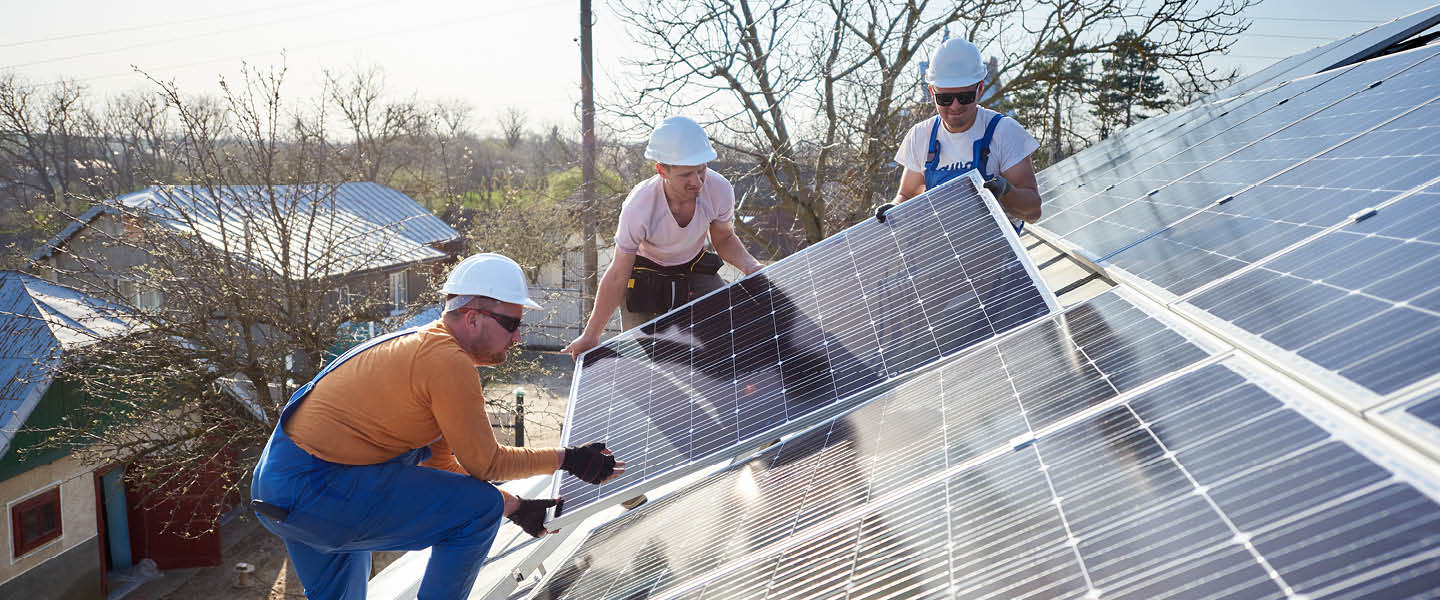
(1129, 87)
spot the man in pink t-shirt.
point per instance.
(660, 259)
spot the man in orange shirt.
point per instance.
(389, 448)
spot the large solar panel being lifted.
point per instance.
(1114, 218)
(1220, 482)
(1358, 308)
(943, 273)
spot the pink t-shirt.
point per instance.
(648, 229)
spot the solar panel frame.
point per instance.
(579, 434)
(1414, 419)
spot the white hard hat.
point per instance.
(681, 142)
(491, 275)
(956, 63)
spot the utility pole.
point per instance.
(587, 164)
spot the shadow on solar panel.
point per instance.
(775, 351)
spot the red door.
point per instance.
(178, 529)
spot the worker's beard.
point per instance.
(487, 357)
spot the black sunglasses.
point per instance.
(965, 97)
(508, 323)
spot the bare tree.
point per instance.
(512, 126)
(234, 281)
(377, 124)
(815, 94)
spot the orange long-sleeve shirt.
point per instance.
(415, 390)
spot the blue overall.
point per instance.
(936, 175)
(340, 513)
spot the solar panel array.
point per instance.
(1296, 220)
(861, 307)
(1113, 450)
(1182, 177)
(975, 480)
(1362, 301)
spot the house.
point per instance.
(361, 235)
(55, 507)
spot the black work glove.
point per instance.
(590, 463)
(880, 211)
(531, 515)
(999, 186)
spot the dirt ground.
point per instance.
(274, 578)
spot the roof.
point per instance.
(361, 226)
(39, 321)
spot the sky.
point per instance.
(491, 55)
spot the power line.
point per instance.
(1324, 38)
(75, 36)
(448, 23)
(1319, 20)
(170, 40)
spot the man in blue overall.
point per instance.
(963, 136)
(389, 448)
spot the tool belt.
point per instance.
(658, 289)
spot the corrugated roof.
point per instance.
(358, 226)
(386, 207)
(39, 320)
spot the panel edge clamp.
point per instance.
(1364, 213)
(1019, 442)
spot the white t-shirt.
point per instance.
(1010, 144)
(648, 229)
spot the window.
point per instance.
(140, 296)
(399, 295)
(35, 521)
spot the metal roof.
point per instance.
(39, 320)
(386, 207)
(358, 226)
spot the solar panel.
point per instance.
(1415, 420)
(1199, 125)
(1263, 146)
(1380, 165)
(1427, 410)
(1114, 160)
(1222, 481)
(1338, 53)
(1355, 309)
(944, 272)
(944, 417)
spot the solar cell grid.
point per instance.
(1182, 491)
(1358, 304)
(944, 272)
(1181, 186)
(1291, 207)
(1113, 218)
(1427, 410)
(1201, 123)
(949, 415)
